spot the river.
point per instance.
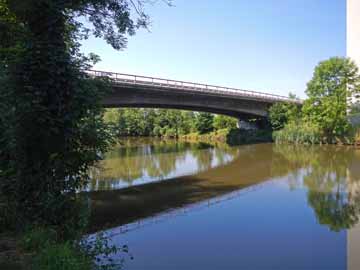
(180, 205)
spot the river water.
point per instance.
(181, 205)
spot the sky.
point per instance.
(264, 45)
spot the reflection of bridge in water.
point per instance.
(163, 217)
(253, 166)
(330, 175)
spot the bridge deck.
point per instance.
(168, 84)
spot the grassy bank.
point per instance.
(231, 136)
(39, 247)
(307, 133)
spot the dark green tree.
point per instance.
(204, 122)
(282, 113)
(51, 121)
(187, 122)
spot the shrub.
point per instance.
(238, 137)
(36, 239)
(88, 253)
(171, 133)
(62, 257)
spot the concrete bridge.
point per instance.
(149, 92)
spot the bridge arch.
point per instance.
(149, 92)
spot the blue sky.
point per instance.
(264, 45)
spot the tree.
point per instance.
(187, 122)
(112, 116)
(51, 121)
(223, 121)
(204, 122)
(333, 81)
(282, 113)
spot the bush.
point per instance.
(36, 239)
(171, 133)
(88, 253)
(238, 137)
(62, 257)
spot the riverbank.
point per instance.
(307, 133)
(231, 136)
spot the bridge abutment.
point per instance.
(246, 125)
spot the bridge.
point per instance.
(150, 92)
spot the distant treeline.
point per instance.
(165, 122)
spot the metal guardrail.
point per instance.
(122, 78)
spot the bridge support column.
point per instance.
(246, 125)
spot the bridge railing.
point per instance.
(123, 78)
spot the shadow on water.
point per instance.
(300, 203)
(253, 165)
(330, 174)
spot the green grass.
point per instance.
(62, 257)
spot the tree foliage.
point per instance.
(204, 122)
(165, 122)
(282, 113)
(223, 121)
(324, 115)
(333, 81)
(51, 121)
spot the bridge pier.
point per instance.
(246, 125)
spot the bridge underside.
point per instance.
(239, 107)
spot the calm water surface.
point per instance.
(259, 206)
(143, 160)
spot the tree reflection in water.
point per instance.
(332, 176)
(147, 160)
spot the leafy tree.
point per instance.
(51, 121)
(333, 81)
(223, 121)
(150, 116)
(188, 124)
(164, 122)
(112, 116)
(204, 122)
(282, 113)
